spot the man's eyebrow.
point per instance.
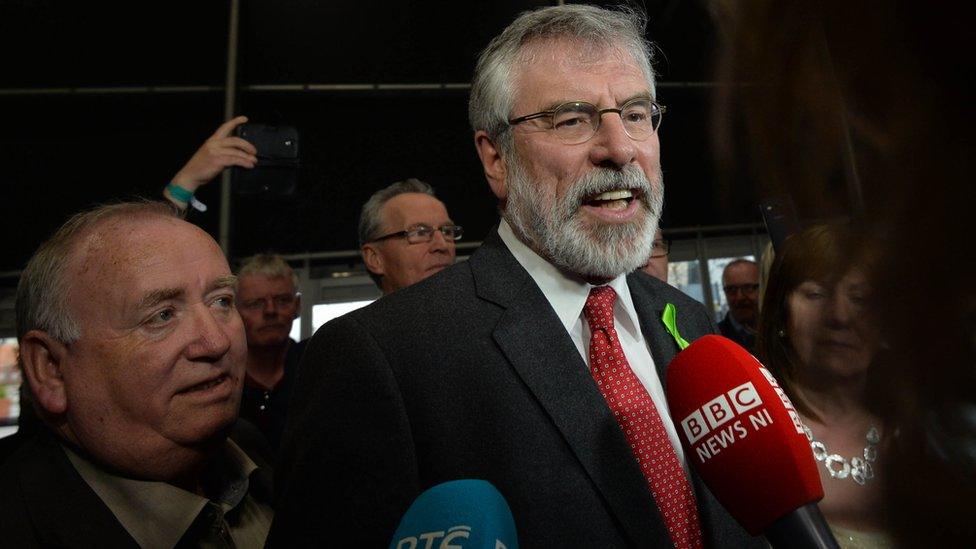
(226, 281)
(156, 297)
(641, 95)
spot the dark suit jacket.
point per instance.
(470, 374)
(44, 502)
(742, 337)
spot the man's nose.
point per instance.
(441, 243)
(611, 145)
(211, 339)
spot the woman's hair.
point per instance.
(823, 253)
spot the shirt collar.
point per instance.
(567, 293)
(157, 514)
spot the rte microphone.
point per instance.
(747, 442)
(458, 514)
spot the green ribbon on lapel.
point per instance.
(669, 318)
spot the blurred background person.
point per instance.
(818, 338)
(657, 264)
(269, 302)
(866, 112)
(740, 282)
(405, 235)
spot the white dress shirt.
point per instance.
(567, 295)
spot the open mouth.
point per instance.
(206, 385)
(617, 200)
(614, 206)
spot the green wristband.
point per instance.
(179, 193)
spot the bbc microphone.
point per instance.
(468, 514)
(747, 443)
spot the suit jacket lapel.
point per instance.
(543, 355)
(65, 511)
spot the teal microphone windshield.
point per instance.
(469, 514)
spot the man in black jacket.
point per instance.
(497, 368)
(134, 353)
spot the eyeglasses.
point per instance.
(577, 121)
(279, 301)
(744, 289)
(422, 234)
(661, 248)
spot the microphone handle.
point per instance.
(804, 528)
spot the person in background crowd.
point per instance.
(134, 352)
(405, 235)
(740, 282)
(493, 368)
(817, 336)
(657, 264)
(867, 113)
(269, 302)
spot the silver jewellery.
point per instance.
(838, 467)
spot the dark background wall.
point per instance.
(87, 141)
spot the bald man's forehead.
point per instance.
(745, 271)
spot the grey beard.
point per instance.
(557, 231)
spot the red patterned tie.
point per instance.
(639, 419)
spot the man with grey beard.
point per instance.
(536, 365)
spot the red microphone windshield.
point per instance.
(741, 432)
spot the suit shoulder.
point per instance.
(439, 294)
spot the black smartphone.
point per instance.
(276, 172)
(779, 214)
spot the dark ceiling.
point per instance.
(65, 149)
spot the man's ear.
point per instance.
(373, 260)
(298, 305)
(493, 163)
(42, 358)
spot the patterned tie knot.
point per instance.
(599, 308)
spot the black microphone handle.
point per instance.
(804, 528)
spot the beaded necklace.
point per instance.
(858, 468)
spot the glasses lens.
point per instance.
(640, 117)
(660, 248)
(452, 232)
(575, 122)
(284, 300)
(420, 234)
(744, 289)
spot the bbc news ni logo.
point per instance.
(721, 420)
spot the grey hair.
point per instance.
(492, 87)
(269, 265)
(371, 218)
(44, 287)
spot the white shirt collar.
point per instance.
(567, 293)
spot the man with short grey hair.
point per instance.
(134, 352)
(499, 371)
(269, 302)
(405, 235)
